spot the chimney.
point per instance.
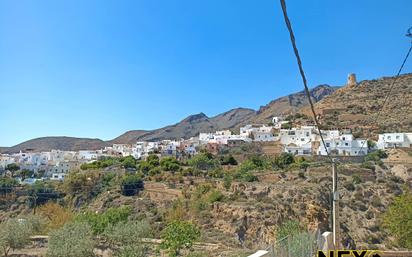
(351, 80)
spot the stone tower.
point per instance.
(351, 80)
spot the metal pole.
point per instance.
(335, 206)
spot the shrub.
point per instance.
(356, 179)
(227, 181)
(72, 240)
(55, 215)
(203, 161)
(287, 228)
(12, 167)
(215, 196)
(125, 238)
(131, 185)
(284, 160)
(397, 220)
(100, 221)
(153, 160)
(228, 160)
(6, 185)
(129, 162)
(179, 235)
(14, 234)
(170, 164)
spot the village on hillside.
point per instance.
(279, 137)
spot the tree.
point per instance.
(12, 167)
(125, 238)
(131, 185)
(153, 160)
(6, 184)
(203, 161)
(398, 219)
(179, 235)
(14, 234)
(129, 162)
(25, 173)
(284, 160)
(170, 164)
(228, 160)
(72, 240)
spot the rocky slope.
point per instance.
(61, 143)
(357, 106)
(290, 104)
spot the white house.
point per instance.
(344, 144)
(6, 160)
(297, 136)
(393, 140)
(259, 133)
(278, 121)
(58, 176)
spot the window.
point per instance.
(302, 139)
(327, 144)
(397, 137)
(343, 138)
(389, 137)
(346, 144)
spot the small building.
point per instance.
(394, 140)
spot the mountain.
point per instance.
(188, 127)
(357, 106)
(290, 104)
(61, 143)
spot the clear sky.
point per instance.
(95, 68)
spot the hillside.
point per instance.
(357, 106)
(190, 126)
(61, 143)
(290, 104)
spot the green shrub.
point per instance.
(14, 234)
(73, 240)
(398, 219)
(100, 221)
(6, 184)
(215, 196)
(170, 164)
(131, 184)
(228, 160)
(203, 161)
(179, 235)
(125, 238)
(356, 179)
(129, 162)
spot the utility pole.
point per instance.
(335, 206)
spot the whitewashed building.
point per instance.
(393, 140)
(344, 145)
(259, 133)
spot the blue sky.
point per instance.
(98, 68)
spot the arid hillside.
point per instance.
(359, 106)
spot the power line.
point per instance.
(390, 89)
(302, 74)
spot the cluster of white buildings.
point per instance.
(303, 140)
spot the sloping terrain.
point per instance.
(357, 107)
(290, 104)
(62, 143)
